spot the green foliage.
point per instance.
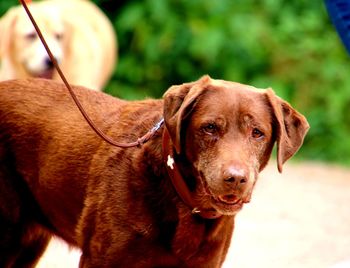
(288, 45)
(5, 5)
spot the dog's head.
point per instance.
(225, 133)
(21, 45)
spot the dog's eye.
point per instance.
(256, 133)
(59, 36)
(210, 128)
(31, 36)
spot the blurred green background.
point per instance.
(289, 45)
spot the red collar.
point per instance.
(178, 181)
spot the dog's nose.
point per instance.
(235, 176)
(48, 63)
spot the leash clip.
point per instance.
(157, 126)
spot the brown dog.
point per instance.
(119, 205)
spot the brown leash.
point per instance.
(98, 131)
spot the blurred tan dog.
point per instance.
(81, 38)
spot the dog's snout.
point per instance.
(235, 176)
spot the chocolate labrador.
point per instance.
(170, 202)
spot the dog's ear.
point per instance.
(7, 23)
(290, 126)
(179, 101)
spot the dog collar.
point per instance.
(178, 181)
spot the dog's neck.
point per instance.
(178, 181)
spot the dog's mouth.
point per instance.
(227, 204)
(229, 199)
(47, 74)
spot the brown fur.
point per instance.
(118, 205)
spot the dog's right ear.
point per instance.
(291, 128)
(7, 23)
(179, 101)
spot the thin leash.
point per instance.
(98, 131)
(172, 169)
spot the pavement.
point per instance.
(298, 219)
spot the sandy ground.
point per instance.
(299, 219)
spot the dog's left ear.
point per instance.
(7, 23)
(291, 128)
(179, 101)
